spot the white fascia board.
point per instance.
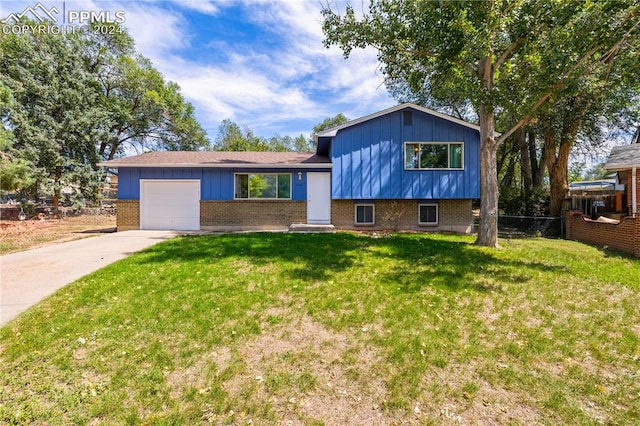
(218, 166)
(622, 168)
(334, 130)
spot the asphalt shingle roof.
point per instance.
(623, 157)
(219, 159)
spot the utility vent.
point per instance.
(408, 118)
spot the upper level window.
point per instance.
(433, 155)
(264, 185)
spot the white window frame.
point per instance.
(373, 214)
(236, 192)
(448, 144)
(437, 214)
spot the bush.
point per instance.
(514, 202)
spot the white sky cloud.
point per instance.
(285, 89)
(298, 81)
(202, 6)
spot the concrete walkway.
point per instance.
(29, 276)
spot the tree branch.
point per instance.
(561, 82)
(505, 55)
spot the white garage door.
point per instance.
(170, 204)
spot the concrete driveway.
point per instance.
(29, 276)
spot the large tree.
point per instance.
(83, 97)
(15, 172)
(478, 49)
(145, 111)
(55, 111)
(232, 138)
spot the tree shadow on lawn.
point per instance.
(456, 265)
(415, 260)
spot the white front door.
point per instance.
(170, 204)
(319, 198)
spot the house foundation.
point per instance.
(397, 215)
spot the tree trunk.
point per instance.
(558, 166)
(56, 189)
(488, 231)
(525, 162)
(509, 174)
(537, 166)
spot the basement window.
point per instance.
(365, 214)
(427, 214)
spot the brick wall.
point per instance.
(251, 214)
(624, 236)
(128, 214)
(453, 216)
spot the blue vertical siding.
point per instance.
(128, 184)
(368, 160)
(215, 184)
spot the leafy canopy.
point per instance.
(79, 98)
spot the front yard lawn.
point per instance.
(334, 329)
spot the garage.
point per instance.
(170, 204)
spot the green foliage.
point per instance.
(514, 201)
(576, 171)
(55, 111)
(70, 100)
(233, 138)
(330, 122)
(15, 174)
(596, 172)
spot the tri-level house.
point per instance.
(403, 168)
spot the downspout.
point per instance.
(634, 193)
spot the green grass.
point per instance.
(336, 329)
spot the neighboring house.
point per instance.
(406, 167)
(598, 197)
(622, 234)
(625, 160)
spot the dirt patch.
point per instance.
(23, 235)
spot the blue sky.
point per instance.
(259, 63)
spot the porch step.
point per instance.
(310, 229)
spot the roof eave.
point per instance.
(332, 132)
(621, 168)
(215, 165)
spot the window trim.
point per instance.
(373, 214)
(448, 144)
(276, 174)
(420, 205)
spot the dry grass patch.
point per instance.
(18, 236)
(309, 373)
